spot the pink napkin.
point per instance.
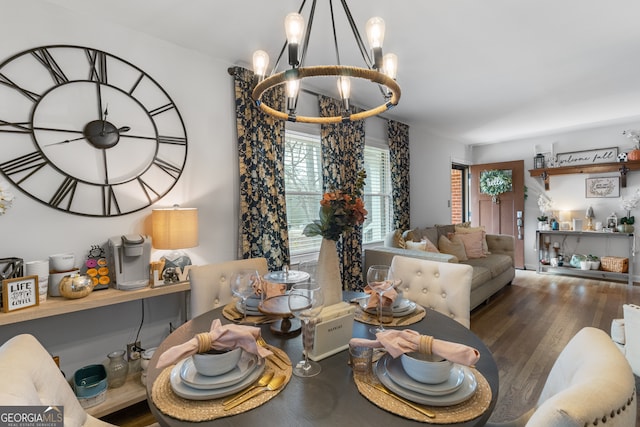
(387, 299)
(269, 289)
(397, 342)
(221, 337)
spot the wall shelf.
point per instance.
(54, 306)
(622, 167)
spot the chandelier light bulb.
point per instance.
(344, 89)
(375, 32)
(294, 27)
(260, 62)
(292, 88)
(390, 65)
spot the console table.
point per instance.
(599, 238)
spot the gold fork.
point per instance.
(276, 358)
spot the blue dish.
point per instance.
(90, 380)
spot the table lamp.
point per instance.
(174, 228)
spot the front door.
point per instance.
(500, 216)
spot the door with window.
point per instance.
(500, 216)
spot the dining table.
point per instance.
(332, 397)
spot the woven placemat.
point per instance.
(475, 406)
(230, 312)
(409, 319)
(183, 409)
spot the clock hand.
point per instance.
(104, 120)
(122, 129)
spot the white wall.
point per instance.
(431, 159)
(203, 92)
(567, 191)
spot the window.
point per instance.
(303, 188)
(459, 185)
(377, 194)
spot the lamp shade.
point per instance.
(174, 228)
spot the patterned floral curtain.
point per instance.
(399, 158)
(263, 211)
(342, 158)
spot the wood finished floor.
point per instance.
(525, 326)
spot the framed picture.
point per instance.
(603, 187)
(19, 293)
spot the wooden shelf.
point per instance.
(622, 167)
(54, 306)
(593, 274)
(119, 398)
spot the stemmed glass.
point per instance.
(379, 281)
(305, 302)
(242, 286)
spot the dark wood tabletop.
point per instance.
(330, 398)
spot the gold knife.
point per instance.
(420, 409)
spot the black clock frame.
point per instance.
(101, 134)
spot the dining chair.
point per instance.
(210, 283)
(590, 384)
(625, 333)
(31, 377)
(441, 286)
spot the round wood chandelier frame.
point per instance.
(327, 70)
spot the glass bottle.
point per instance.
(117, 369)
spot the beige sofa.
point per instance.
(490, 273)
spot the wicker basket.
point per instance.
(614, 263)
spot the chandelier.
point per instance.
(380, 70)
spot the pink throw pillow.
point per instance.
(473, 244)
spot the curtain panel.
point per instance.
(263, 211)
(342, 158)
(398, 134)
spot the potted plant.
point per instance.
(626, 224)
(629, 203)
(542, 221)
(594, 262)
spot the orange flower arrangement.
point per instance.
(339, 212)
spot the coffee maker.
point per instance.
(129, 257)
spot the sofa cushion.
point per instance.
(473, 243)
(423, 245)
(496, 264)
(467, 230)
(453, 247)
(480, 275)
(394, 239)
(417, 234)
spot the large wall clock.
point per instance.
(86, 132)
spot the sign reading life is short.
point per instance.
(587, 157)
(18, 293)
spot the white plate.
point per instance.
(294, 276)
(250, 310)
(397, 373)
(192, 378)
(469, 385)
(403, 308)
(187, 392)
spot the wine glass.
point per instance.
(242, 286)
(305, 302)
(378, 281)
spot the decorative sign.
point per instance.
(603, 187)
(18, 293)
(588, 157)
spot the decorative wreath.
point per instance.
(495, 182)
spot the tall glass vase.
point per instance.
(328, 272)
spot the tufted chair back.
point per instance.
(444, 287)
(210, 283)
(31, 377)
(590, 384)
